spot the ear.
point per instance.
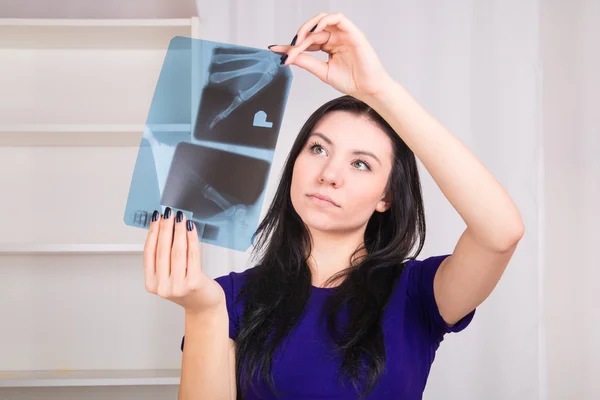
(384, 204)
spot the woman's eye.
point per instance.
(317, 149)
(362, 165)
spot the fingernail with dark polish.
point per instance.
(155, 215)
(314, 27)
(268, 47)
(179, 216)
(190, 225)
(283, 58)
(167, 212)
(294, 41)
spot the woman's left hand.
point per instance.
(353, 67)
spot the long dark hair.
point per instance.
(277, 291)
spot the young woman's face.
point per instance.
(348, 159)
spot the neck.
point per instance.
(331, 253)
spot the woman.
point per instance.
(338, 306)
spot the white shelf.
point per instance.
(83, 81)
(43, 33)
(89, 378)
(80, 134)
(93, 248)
(132, 22)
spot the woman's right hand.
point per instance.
(172, 264)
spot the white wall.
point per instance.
(571, 100)
(515, 80)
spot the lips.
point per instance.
(324, 198)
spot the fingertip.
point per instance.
(280, 48)
(155, 220)
(192, 238)
(184, 224)
(190, 226)
(179, 217)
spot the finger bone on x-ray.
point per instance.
(266, 66)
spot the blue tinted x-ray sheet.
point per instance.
(209, 139)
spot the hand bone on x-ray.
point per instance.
(234, 213)
(237, 211)
(163, 155)
(266, 66)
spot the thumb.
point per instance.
(313, 65)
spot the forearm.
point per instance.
(484, 205)
(205, 372)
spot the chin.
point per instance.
(316, 218)
(318, 223)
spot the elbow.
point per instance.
(511, 238)
(502, 239)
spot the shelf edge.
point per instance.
(89, 378)
(33, 249)
(91, 22)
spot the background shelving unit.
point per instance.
(91, 248)
(81, 82)
(90, 378)
(76, 93)
(75, 134)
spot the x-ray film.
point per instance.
(209, 139)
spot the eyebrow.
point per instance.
(328, 141)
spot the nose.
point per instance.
(331, 175)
